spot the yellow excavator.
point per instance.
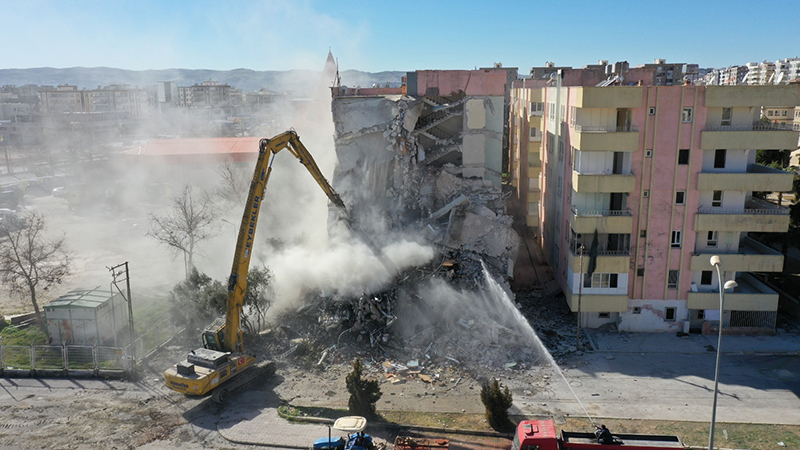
(222, 364)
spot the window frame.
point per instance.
(676, 239)
(673, 279)
(720, 158)
(687, 114)
(670, 311)
(712, 239)
(716, 202)
(726, 121)
(683, 157)
(682, 195)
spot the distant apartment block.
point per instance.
(630, 188)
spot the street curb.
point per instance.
(404, 427)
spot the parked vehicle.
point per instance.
(356, 439)
(541, 434)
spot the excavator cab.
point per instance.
(214, 335)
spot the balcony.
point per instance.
(774, 136)
(604, 183)
(603, 221)
(598, 302)
(757, 215)
(609, 97)
(608, 261)
(756, 178)
(605, 139)
(738, 96)
(749, 295)
(752, 256)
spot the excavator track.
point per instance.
(259, 371)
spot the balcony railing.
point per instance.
(752, 207)
(601, 212)
(757, 126)
(602, 172)
(597, 129)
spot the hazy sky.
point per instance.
(375, 35)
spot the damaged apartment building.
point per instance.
(427, 158)
(634, 178)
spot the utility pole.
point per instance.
(119, 276)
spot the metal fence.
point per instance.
(84, 359)
(754, 319)
(63, 359)
(152, 339)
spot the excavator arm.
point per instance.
(237, 283)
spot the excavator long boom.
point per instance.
(237, 283)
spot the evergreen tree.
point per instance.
(363, 393)
(497, 401)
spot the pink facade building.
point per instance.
(631, 187)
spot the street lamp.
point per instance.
(580, 291)
(730, 284)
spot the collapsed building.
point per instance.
(428, 158)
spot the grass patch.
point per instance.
(443, 420)
(12, 335)
(290, 411)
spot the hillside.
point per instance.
(245, 79)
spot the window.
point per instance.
(642, 233)
(686, 115)
(587, 281)
(645, 194)
(716, 199)
(712, 238)
(705, 278)
(701, 314)
(640, 272)
(535, 133)
(719, 158)
(680, 197)
(603, 315)
(675, 242)
(770, 113)
(783, 113)
(648, 153)
(683, 156)
(603, 280)
(669, 314)
(672, 279)
(651, 111)
(727, 115)
(637, 310)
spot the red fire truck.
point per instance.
(541, 435)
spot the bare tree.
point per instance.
(189, 222)
(30, 263)
(233, 183)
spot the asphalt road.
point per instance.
(669, 386)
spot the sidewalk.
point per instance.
(254, 420)
(788, 344)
